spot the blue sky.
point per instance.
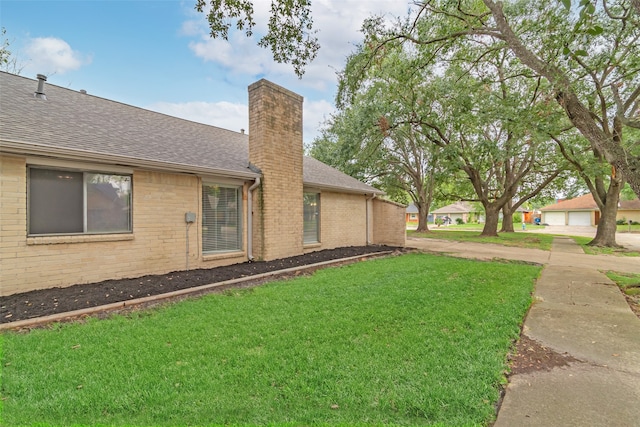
(157, 54)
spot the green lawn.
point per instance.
(595, 250)
(628, 282)
(516, 226)
(521, 240)
(635, 228)
(411, 340)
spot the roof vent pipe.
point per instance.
(40, 91)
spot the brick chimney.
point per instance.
(275, 147)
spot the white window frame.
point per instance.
(239, 188)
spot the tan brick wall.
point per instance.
(343, 221)
(156, 246)
(275, 146)
(633, 215)
(389, 226)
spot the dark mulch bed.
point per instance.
(529, 356)
(45, 302)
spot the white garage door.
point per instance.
(579, 218)
(553, 218)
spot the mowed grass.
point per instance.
(411, 340)
(624, 228)
(520, 240)
(597, 250)
(628, 282)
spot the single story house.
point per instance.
(455, 210)
(93, 189)
(584, 211)
(411, 214)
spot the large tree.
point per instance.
(592, 70)
(290, 34)
(481, 108)
(374, 138)
(600, 178)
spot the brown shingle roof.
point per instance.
(457, 207)
(77, 125)
(630, 204)
(587, 203)
(76, 122)
(324, 176)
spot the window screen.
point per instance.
(108, 203)
(71, 202)
(221, 218)
(311, 217)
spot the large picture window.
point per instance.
(311, 217)
(73, 202)
(221, 218)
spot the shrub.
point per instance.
(459, 221)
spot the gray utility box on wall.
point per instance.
(190, 217)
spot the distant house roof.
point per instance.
(76, 125)
(630, 204)
(457, 207)
(587, 203)
(412, 208)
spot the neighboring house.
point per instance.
(584, 211)
(411, 216)
(93, 189)
(455, 210)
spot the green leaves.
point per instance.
(290, 34)
(596, 30)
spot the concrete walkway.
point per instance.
(580, 312)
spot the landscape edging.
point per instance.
(38, 321)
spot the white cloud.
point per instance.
(240, 55)
(314, 115)
(51, 55)
(221, 114)
(338, 24)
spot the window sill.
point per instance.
(85, 238)
(224, 255)
(311, 245)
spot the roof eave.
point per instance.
(340, 189)
(21, 148)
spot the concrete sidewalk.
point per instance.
(580, 312)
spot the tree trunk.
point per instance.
(491, 222)
(423, 212)
(507, 218)
(507, 222)
(606, 231)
